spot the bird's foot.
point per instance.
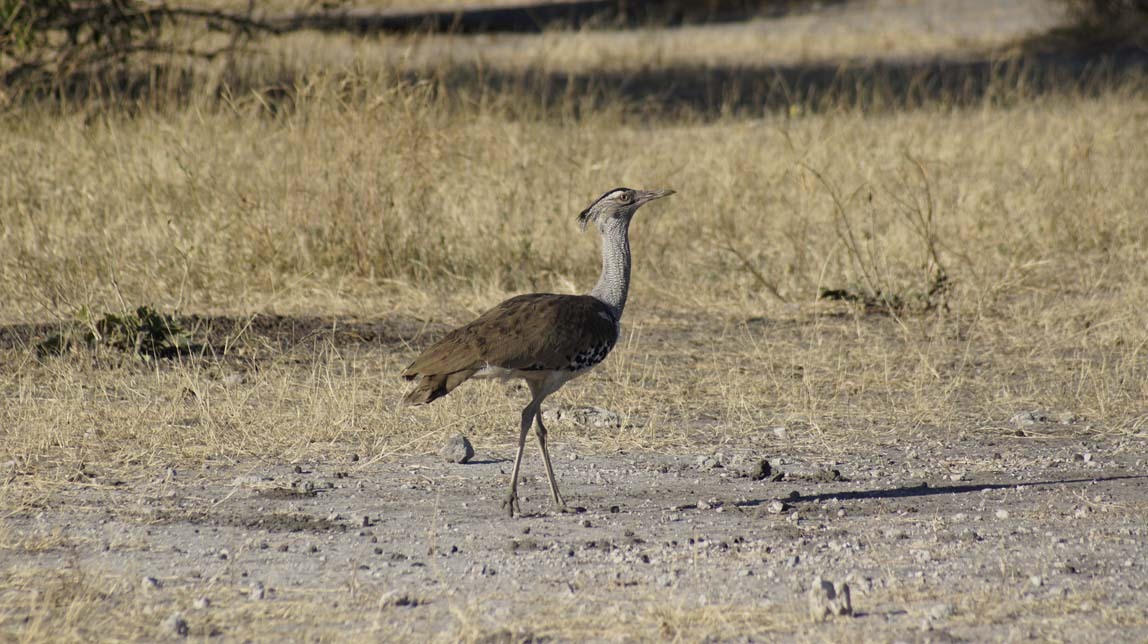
(511, 504)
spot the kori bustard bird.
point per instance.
(544, 338)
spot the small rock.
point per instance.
(827, 475)
(202, 603)
(761, 470)
(1002, 514)
(827, 599)
(398, 598)
(176, 625)
(709, 462)
(939, 612)
(703, 505)
(776, 507)
(1036, 581)
(151, 583)
(457, 449)
(1028, 418)
(781, 432)
(258, 592)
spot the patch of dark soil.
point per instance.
(284, 332)
(272, 522)
(825, 475)
(284, 493)
(259, 335)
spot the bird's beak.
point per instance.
(650, 195)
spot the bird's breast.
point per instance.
(590, 356)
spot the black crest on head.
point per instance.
(584, 216)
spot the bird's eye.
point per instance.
(625, 197)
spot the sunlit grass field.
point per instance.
(1005, 226)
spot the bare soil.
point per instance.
(1011, 539)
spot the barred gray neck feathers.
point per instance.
(614, 283)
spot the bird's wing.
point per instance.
(540, 331)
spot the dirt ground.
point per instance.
(1017, 538)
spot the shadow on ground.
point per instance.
(675, 91)
(926, 490)
(256, 335)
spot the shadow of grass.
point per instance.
(671, 92)
(253, 337)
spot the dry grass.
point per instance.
(368, 196)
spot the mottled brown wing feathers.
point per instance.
(541, 331)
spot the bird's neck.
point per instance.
(614, 282)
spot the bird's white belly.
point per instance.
(501, 373)
(551, 380)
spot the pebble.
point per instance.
(247, 480)
(776, 507)
(1002, 514)
(709, 462)
(257, 592)
(1028, 418)
(151, 583)
(761, 470)
(780, 432)
(176, 625)
(398, 598)
(939, 612)
(827, 599)
(457, 449)
(202, 603)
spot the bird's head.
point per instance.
(617, 206)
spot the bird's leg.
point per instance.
(512, 499)
(540, 429)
